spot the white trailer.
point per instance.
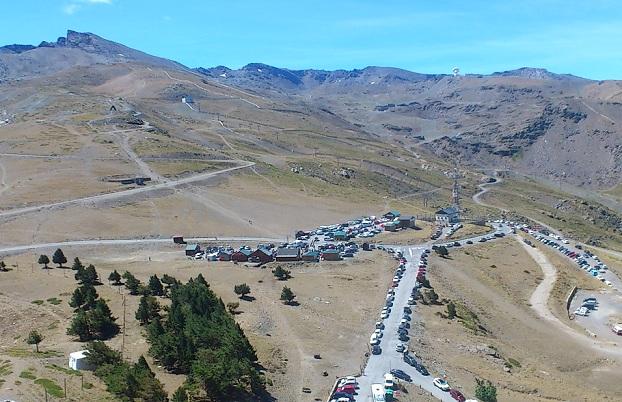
(78, 361)
(378, 392)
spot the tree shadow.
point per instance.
(293, 303)
(247, 298)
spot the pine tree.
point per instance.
(77, 264)
(142, 365)
(131, 283)
(59, 258)
(80, 327)
(77, 298)
(89, 276)
(34, 338)
(148, 309)
(242, 290)
(281, 274)
(115, 278)
(155, 286)
(287, 295)
(180, 395)
(44, 260)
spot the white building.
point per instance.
(77, 360)
(447, 216)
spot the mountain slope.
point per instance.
(552, 126)
(76, 49)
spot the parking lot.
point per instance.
(600, 317)
(389, 357)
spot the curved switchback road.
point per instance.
(484, 188)
(125, 193)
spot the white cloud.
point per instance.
(71, 9)
(75, 5)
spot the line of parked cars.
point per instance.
(581, 258)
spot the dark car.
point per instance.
(407, 310)
(469, 242)
(338, 395)
(421, 369)
(457, 244)
(375, 350)
(409, 359)
(457, 395)
(401, 375)
(403, 338)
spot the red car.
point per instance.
(457, 395)
(348, 389)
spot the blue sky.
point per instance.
(430, 36)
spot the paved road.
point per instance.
(121, 242)
(123, 194)
(378, 365)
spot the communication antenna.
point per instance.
(456, 71)
(455, 191)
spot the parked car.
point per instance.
(469, 242)
(342, 397)
(348, 389)
(440, 384)
(388, 381)
(457, 395)
(401, 375)
(403, 337)
(421, 369)
(347, 381)
(409, 359)
(376, 350)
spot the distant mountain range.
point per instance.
(531, 120)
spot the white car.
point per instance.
(373, 340)
(400, 348)
(378, 333)
(441, 384)
(383, 315)
(582, 311)
(347, 381)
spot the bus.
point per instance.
(377, 392)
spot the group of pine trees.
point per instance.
(199, 338)
(93, 318)
(125, 380)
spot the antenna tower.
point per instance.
(455, 191)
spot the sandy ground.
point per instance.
(334, 317)
(214, 208)
(495, 281)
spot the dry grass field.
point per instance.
(494, 282)
(469, 230)
(334, 317)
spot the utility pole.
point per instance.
(123, 337)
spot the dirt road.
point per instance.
(539, 303)
(125, 193)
